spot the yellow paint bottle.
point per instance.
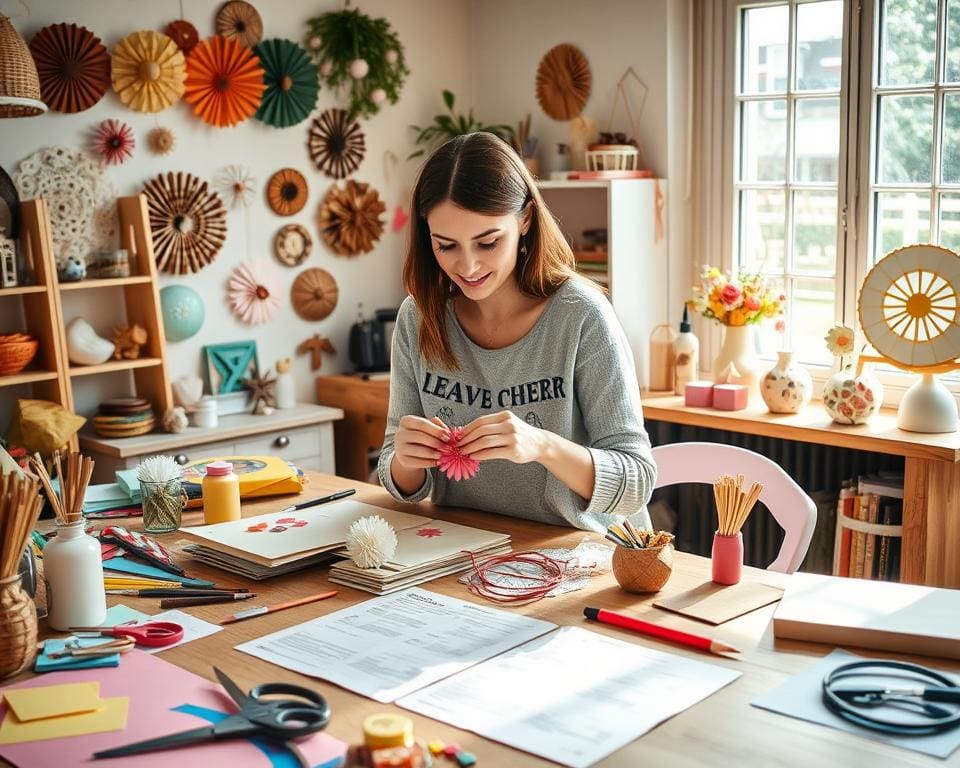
(221, 493)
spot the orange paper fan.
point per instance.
(224, 81)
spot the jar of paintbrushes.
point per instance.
(72, 566)
(162, 493)
(734, 505)
(642, 560)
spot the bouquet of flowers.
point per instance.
(735, 301)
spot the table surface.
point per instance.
(722, 725)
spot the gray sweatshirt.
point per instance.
(572, 374)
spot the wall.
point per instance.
(434, 37)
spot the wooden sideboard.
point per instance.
(364, 402)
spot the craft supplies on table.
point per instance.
(658, 631)
(221, 493)
(320, 500)
(58, 711)
(715, 603)
(734, 505)
(187, 602)
(580, 715)
(642, 560)
(73, 571)
(376, 648)
(263, 610)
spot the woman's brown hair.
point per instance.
(480, 173)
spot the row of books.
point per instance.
(866, 554)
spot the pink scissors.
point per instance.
(154, 634)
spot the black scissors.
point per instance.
(280, 719)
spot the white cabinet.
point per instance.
(633, 211)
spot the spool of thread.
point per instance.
(386, 730)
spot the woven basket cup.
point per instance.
(643, 570)
(18, 75)
(15, 356)
(18, 627)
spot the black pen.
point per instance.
(321, 500)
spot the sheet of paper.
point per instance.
(53, 700)
(801, 696)
(572, 696)
(390, 646)
(716, 604)
(111, 716)
(134, 567)
(193, 628)
(45, 663)
(121, 614)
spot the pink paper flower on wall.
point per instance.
(454, 464)
(114, 142)
(254, 292)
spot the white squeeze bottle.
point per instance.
(686, 355)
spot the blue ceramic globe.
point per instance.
(183, 312)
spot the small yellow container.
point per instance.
(221, 493)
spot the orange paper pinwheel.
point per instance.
(224, 81)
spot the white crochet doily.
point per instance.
(80, 197)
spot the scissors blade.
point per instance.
(239, 697)
(182, 739)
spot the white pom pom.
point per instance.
(371, 541)
(391, 56)
(378, 96)
(359, 69)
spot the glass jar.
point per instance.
(73, 572)
(163, 504)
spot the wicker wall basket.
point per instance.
(612, 157)
(643, 570)
(18, 628)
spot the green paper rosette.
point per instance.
(291, 80)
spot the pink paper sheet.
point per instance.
(155, 687)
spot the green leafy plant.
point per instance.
(446, 127)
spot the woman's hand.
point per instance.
(504, 435)
(418, 441)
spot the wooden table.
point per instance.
(721, 730)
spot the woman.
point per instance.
(500, 336)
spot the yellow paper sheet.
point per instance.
(112, 716)
(53, 700)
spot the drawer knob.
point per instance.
(181, 459)
(282, 442)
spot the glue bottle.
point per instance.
(686, 355)
(221, 493)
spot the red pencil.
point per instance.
(655, 630)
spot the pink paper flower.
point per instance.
(114, 141)
(429, 533)
(454, 464)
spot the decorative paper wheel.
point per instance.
(184, 34)
(188, 222)
(241, 21)
(73, 66)
(314, 294)
(563, 82)
(287, 192)
(292, 245)
(910, 306)
(224, 81)
(336, 143)
(292, 84)
(148, 71)
(349, 218)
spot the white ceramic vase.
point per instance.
(737, 362)
(928, 406)
(786, 387)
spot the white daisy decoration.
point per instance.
(254, 292)
(840, 340)
(236, 184)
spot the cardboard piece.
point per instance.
(870, 614)
(53, 700)
(715, 603)
(110, 716)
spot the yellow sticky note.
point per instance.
(111, 716)
(53, 700)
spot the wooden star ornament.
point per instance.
(316, 345)
(262, 389)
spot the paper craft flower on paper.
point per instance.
(336, 143)
(114, 142)
(184, 34)
(371, 541)
(349, 219)
(239, 20)
(254, 292)
(429, 533)
(148, 71)
(73, 66)
(236, 184)
(161, 141)
(224, 81)
(454, 464)
(291, 80)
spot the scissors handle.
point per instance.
(307, 712)
(153, 634)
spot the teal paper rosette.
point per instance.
(291, 80)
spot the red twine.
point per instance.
(547, 573)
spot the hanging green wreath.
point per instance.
(359, 54)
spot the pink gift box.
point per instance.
(698, 394)
(730, 397)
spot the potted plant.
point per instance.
(446, 127)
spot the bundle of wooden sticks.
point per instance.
(74, 476)
(733, 503)
(20, 505)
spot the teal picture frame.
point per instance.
(227, 365)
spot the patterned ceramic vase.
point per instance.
(786, 387)
(852, 399)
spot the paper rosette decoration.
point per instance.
(224, 81)
(238, 20)
(314, 294)
(563, 82)
(73, 66)
(291, 80)
(349, 218)
(161, 140)
(292, 245)
(148, 71)
(336, 143)
(287, 192)
(236, 183)
(254, 292)
(187, 220)
(114, 142)
(184, 34)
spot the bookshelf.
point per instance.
(864, 545)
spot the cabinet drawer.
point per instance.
(290, 444)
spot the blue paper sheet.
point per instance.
(127, 565)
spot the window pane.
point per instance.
(811, 316)
(908, 41)
(762, 230)
(817, 142)
(763, 141)
(905, 139)
(950, 222)
(903, 218)
(953, 41)
(819, 45)
(764, 54)
(815, 232)
(950, 143)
